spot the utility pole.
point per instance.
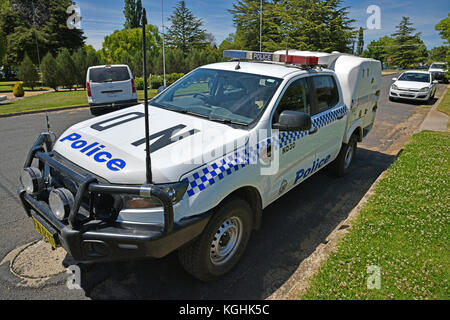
(35, 36)
(164, 43)
(260, 26)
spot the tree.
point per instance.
(438, 54)
(28, 73)
(444, 28)
(66, 69)
(130, 41)
(133, 14)
(24, 23)
(185, 32)
(360, 47)
(408, 48)
(79, 59)
(49, 72)
(320, 25)
(380, 49)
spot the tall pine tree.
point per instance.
(186, 31)
(408, 49)
(133, 14)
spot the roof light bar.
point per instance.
(268, 56)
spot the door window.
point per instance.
(326, 91)
(296, 98)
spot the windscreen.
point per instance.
(438, 66)
(416, 77)
(219, 95)
(111, 74)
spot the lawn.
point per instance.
(52, 100)
(445, 104)
(7, 87)
(403, 233)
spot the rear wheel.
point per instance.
(345, 159)
(222, 243)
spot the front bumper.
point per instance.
(88, 239)
(115, 105)
(410, 95)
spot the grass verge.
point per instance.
(444, 106)
(53, 100)
(403, 231)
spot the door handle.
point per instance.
(314, 130)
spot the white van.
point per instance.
(110, 87)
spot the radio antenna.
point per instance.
(148, 160)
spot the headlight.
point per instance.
(175, 191)
(61, 202)
(426, 89)
(32, 180)
(394, 87)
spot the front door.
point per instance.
(295, 151)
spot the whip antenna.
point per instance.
(148, 161)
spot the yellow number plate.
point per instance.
(45, 233)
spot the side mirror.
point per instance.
(394, 79)
(291, 121)
(161, 89)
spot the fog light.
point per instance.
(61, 201)
(32, 180)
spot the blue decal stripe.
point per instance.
(225, 167)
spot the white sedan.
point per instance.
(413, 85)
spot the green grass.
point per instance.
(444, 106)
(49, 100)
(52, 100)
(404, 230)
(7, 87)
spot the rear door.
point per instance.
(110, 84)
(330, 117)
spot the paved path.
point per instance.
(436, 120)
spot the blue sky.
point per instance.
(102, 17)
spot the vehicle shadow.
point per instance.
(292, 229)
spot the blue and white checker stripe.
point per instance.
(217, 171)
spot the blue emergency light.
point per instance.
(268, 56)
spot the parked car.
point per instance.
(109, 88)
(439, 71)
(413, 85)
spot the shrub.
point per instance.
(49, 71)
(139, 83)
(156, 82)
(28, 73)
(18, 90)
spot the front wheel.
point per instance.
(222, 243)
(345, 159)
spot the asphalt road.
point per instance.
(292, 227)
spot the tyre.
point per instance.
(222, 243)
(96, 111)
(392, 99)
(343, 163)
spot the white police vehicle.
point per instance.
(227, 140)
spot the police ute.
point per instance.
(223, 143)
